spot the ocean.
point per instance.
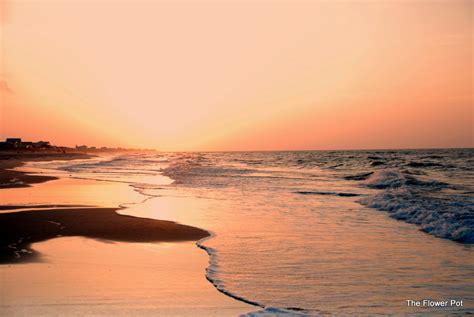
(303, 233)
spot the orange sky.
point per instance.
(238, 76)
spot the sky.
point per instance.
(241, 75)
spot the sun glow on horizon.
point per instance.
(240, 75)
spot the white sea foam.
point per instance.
(404, 197)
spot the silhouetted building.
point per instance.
(13, 141)
(18, 144)
(42, 144)
(26, 145)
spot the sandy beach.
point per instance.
(12, 178)
(18, 230)
(62, 240)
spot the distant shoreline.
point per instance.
(17, 179)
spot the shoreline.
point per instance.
(18, 230)
(17, 179)
(23, 225)
(211, 253)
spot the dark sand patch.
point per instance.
(18, 230)
(17, 179)
(14, 207)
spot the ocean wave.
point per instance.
(117, 163)
(425, 164)
(358, 177)
(404, 197)
(451, 219)
(192, 171)
(377, 163)
(327, 193)
(186, 170)
(392, 179)
(374, 157)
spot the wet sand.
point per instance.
(90, 260)
(27, 224)
(18, 230)
(22, 227)
(15, 179)
(85, 277)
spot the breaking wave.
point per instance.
(404, 197)
(393, 179)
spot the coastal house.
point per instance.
(18, 144)
(26, 145)
(10, 143)
(42, 144)
(13, 141)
